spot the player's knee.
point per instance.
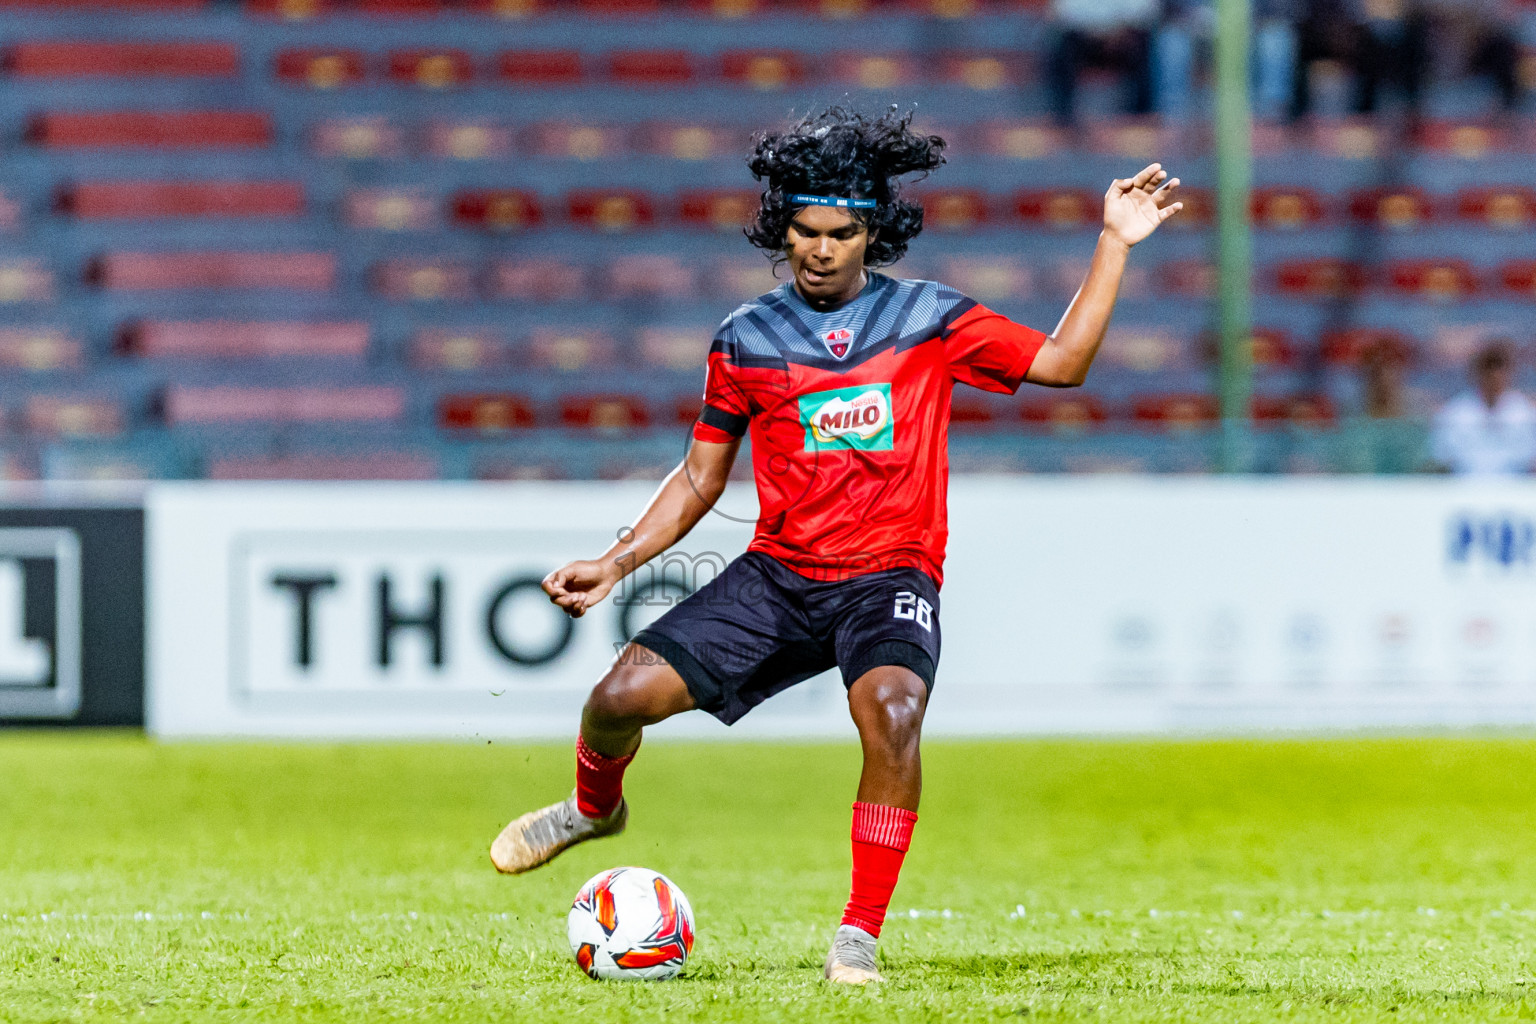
(896, 700)
(623, 699)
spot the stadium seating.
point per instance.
(448, 220)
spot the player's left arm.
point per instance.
(1133, 209)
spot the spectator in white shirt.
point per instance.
(1491, 429)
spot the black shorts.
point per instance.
(760, 627)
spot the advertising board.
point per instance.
(1069, 605)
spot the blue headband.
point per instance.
(857, 204)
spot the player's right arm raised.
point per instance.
(688, 492)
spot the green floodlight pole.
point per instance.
(1234, 173)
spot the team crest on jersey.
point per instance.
(838, 341)
(858, 417)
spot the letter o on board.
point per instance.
(511, 651)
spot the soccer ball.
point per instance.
(631, 924)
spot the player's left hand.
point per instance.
(1134, 207)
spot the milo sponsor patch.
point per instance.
(858, 417)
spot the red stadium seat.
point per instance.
(228, 339)
(970, 411)
(150, 271)
(502, 209)
(1199, 210)
(181, 129)
(617, 8)
(509, 9)
(468, 140)
(432, 69)
(1460, 139)
(718, 209)
(321, 69)
(653, 277)
(61, 59)
(1506, 208)
(1175, 412)
(984, 72)
(1398, 209)
(469, 348)
(115, 6)
(540, 67)
(1062, 413)
(686, 410)
(953, 209)
(1285, 209)
(39, 349)
(610, 209)
(765, 70)
(400, 8)
(1518, 277)
(424, 279)
(1348, 347)
(873, 70)
(1137, 138)
(1146, 349)
(1325, 278)
(563, 140)
(327, 466)
(989, 279)
(289, 10)
(1058, 209)
(25, 280)
(389, 209)
(486, 413)
(73, 416)
(729, 9)
(538, 280)
(570, 350)
(604, 412)
(650, 67)
(1021, 140)
(740, 277)
(1194, 279)
(1313, 411)
(153, 200)
(674, 348)
(688, 141)
(186, 404)
(357, 138)
(1435, 280)
(1268, 349)
(1358, 138)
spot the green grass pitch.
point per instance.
(1318, 880)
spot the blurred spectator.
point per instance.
(1114, 35)
(1187, 29)
(1491, 429)
(1388, 435)
(1385, 44)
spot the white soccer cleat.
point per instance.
(538, 837)
(851, 960)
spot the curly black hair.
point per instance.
(841, 152)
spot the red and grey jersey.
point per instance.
(849, 417)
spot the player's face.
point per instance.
(826, 254)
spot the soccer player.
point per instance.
(843, 378)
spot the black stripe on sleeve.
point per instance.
(732, 424)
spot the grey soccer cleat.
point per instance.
(851, 960)
(538, 837)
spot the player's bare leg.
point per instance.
(640, 689)
(888, 705)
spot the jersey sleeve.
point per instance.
(726, 411)
(987, 350)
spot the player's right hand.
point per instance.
(580, 585)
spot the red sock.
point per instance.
(599, 780)
(881, 836)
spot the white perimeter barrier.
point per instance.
(1069, 605)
